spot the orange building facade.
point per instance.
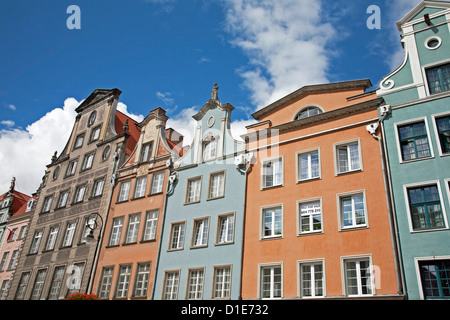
(318, 221)
(130, 243)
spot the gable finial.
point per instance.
(214, 92)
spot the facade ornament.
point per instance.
(214, 92)
(125, 126)
(54, 157)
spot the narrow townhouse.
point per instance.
(201, 243)
(74, 195)
(129, 246)
(317, 218)
(416, 128)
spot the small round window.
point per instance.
(106, 153)
(433, 43)
(92, 118)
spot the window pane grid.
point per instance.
(425, 208)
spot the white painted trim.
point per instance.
(416, 265)
(297, 165)
(299, 277)
(270, 264)
(339, 210)
(336, 159)
(343, 275)
(436, 132)
(298, 217)
(261, 221)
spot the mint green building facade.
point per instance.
(200, 254)
(416, 129)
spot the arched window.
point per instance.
(308, 112)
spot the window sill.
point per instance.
(348, 172)
(417, 159)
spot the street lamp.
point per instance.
(92, 226)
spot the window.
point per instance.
(4, 260)
(151, 221)
(311, 279)
(352, 211)
(106, 153)
(3, 291)
(425, 208)
(123, 281)
(308, 112)
(142, 276)
(14, 260)
(272, 222)
(51, 240)
(308, 165)
(23, 283)
(171, 283)
(12, 235)
(116, 231)
(97, 190)
(209, 149)
(348, 157)
(105, 283)
(177, 236)
(38, 284)
(146, 151)
(133, 228)
(271, 282)
(222, 282)
(272, 173)
(435, 278)
(47, 204)
(87, 161)
(443, 127)
(68, 236)
(157, 183)
(71, 168)
(75, 283)
(95, 134)
(193, 190)
(62, 201)
(23, 231)
(310, 217)
(413, 141)
(139, 189)
(225, 230)
(124, 191)
(79, 194)
(195, 284)
(438, 78)
(36, 241)
(200, 234)
(358, 278)
(55, 287)
(92, 118)
(56, 172)
(79, 141)
(216, 185)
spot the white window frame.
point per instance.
(95, 133)
(141, 280)
(313, 262)
(35, 243)
(200, 227)
(56, 283)
(408, 209)
(339, 145)
(196, 192)
(62, 199)
(88, 161)
(262, 222)
(104, 286)
(76, 144)
(358, 258)
(299, 216)
(260, 280)
(209, 149)
(198, 286)
(216, 189)
(124, 191)
(436, 131)
(151, 224)
(298, 164)
(52, 237)
(47, 205)
(72, 168)
(354, 226)
(157, 182)
(174, 285)
(146, 151)
(123, 281)
(96, 188)
(222, 240)
(38, 286)
(69, 234)
(116, 231)
(397, 138)
(80, 191)
(139, 187)
(273, 173)
(219, 282)
(180, 237)
(133, 228)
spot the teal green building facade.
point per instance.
(415, 122)
(200, 254)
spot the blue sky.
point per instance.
(169, 53)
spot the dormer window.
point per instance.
(209, 148)
(308, 112)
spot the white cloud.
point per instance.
(24, 154)
(165, 97)
(124, 109)
(12, 107)
(286, 42)
(8, 123)
(184, 124)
